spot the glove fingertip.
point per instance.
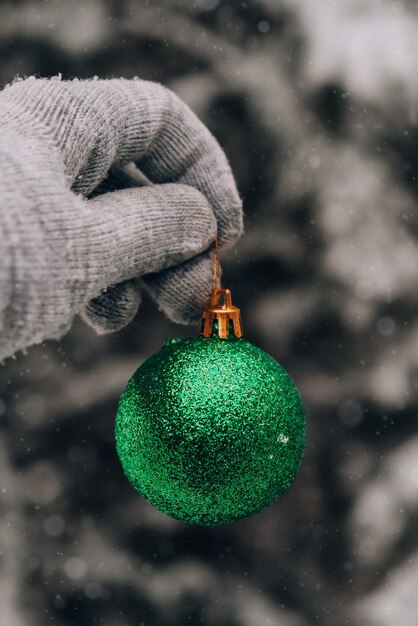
(113, 309)
(182, 292)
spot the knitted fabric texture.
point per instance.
(77, 223)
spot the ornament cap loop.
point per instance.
(222, 313)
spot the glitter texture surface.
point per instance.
(210, 430)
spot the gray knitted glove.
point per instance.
(61, 142)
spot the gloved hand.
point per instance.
(62, 142)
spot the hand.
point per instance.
(63, 142)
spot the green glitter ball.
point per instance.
(210, 430)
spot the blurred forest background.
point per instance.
(315, 104)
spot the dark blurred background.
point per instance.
(315, 104)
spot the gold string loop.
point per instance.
(217, 272)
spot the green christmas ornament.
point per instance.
(211, 429)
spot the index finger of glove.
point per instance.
(181, 149)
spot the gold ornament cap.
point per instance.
(225, 314)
